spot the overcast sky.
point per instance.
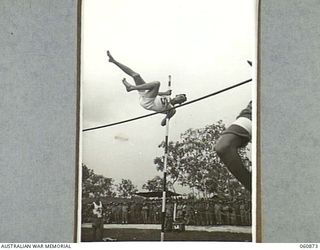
(203, 44)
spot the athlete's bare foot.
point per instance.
(111, 59)
(128, 86)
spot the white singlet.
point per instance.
(157, 104)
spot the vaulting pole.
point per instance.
(163, 217)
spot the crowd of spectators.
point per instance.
(190, 212)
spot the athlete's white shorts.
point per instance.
(244, 123)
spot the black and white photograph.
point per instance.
(168, 120)
(190, 123)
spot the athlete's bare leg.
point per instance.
(227, 149)
(123, 67)
(152, 87)
(137, 78)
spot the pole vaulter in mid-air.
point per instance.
(152, 99)
(150, 96)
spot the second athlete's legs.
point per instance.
(227, 149)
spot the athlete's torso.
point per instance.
(157, 104)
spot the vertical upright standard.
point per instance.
(163, 217)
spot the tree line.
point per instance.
(192, 163)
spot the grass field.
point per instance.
(121, 234)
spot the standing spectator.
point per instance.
(225, 214)
(114, 212)
(249, 213)
(184, 212)
(158, 212)
(151, 213)
(237, 212)
(197, 216)
(217, 213)
(144, 212)
(124, 213)
(202, 213)
(169, 215)
(208, 220)
(179, 215)
(155, 212)
(233, 219)
(118, 212)
(242, 214)
(212, 213)
(97, 221)
(190, 213)
(131, 207)
(108, 214)
(138, 212)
